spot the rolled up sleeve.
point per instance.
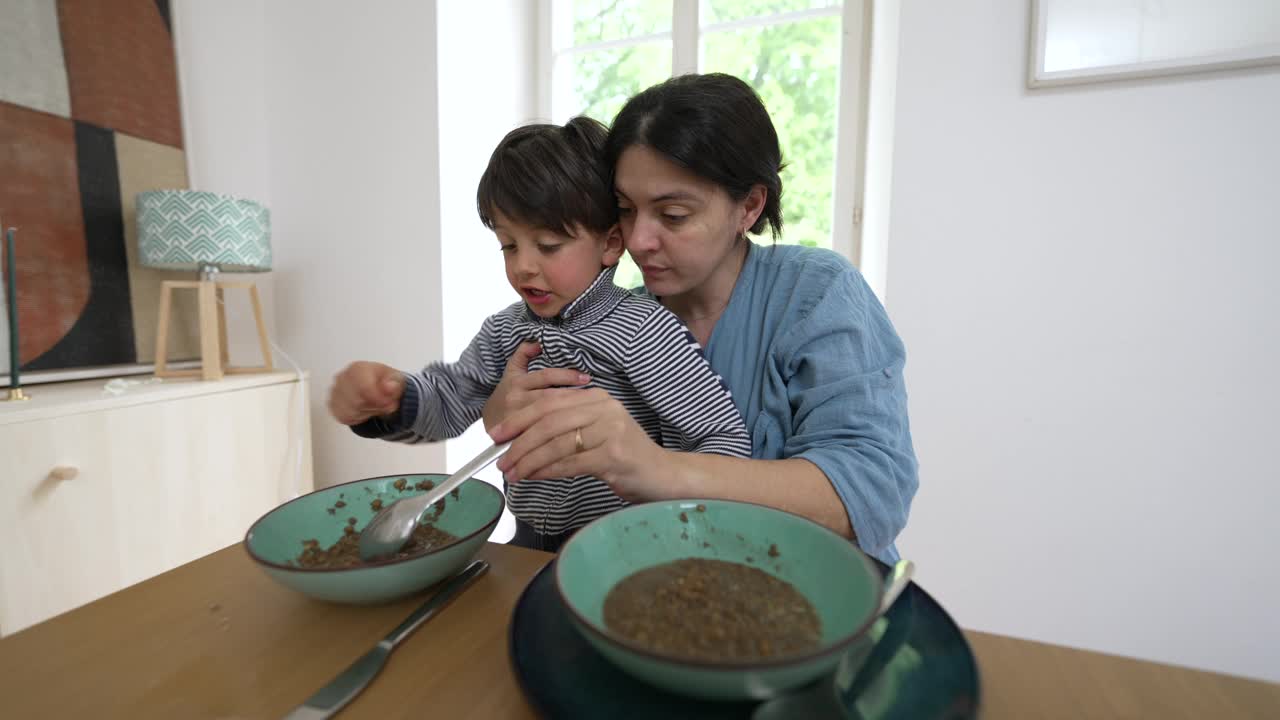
(848, 399)
(444, 399)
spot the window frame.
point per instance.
(686, 35)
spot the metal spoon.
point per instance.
(899, 576)
(819, 700)
(391, 528)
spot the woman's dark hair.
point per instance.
(550, 177)
(713, 125)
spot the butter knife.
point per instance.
(347, 685)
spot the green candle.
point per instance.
(12, 296)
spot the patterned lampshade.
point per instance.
(191, 229)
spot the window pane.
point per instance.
(628, 275)
(795, 68)
(597, 83)
(602, 20)
(718, 11)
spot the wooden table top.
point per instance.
(216, 638)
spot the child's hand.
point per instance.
(364, 390)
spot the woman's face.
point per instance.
(678, 227)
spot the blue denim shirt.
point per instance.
(815, 366)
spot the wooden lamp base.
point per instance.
(214, 361)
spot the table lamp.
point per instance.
(209, 234)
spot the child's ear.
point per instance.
(612, 246)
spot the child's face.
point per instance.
(551, 269)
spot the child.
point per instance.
(548, 198)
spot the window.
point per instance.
(598, 53)
(607, 51)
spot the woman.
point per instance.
(805, 347)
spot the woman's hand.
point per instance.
(618, 451)
(613, 447)
(519, 387)
(364, 390)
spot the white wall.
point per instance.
(1085, 282)
(353, 135)
(329, 117)
(221, 49)
(484, 93)
(332, 118)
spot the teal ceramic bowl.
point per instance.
(831, 572)
(276, 538)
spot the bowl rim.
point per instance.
(838, 646)
(502, 505)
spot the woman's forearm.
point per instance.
(794, 485)
(618, 451)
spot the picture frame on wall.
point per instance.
(1086, 41)
(90, 116)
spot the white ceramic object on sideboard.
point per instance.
(84, 477)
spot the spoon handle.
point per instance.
(478, 463)
(437, 493)
(896, 583)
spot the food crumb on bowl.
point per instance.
(684, 518)
(345, 552)
(773, 551)
(701, 508)
(400, 484)
(340, 504)
(376, 505)
(424, 485)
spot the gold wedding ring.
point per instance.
(577, 441)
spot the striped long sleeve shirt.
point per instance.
(632, 347)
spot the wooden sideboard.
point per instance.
(99, 491)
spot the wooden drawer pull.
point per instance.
(64, 472)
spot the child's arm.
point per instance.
(444, 399)
(666, 366)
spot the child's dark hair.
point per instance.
(713, 125)
(550, 177)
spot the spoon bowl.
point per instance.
(392, 527)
